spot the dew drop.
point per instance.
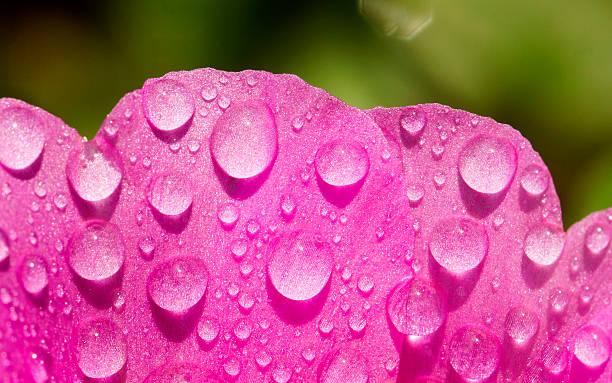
(534, 180)
(147, 247)
(558, 300)
(413, 121)
(252, 228)
(209, 93)
(178, 284)
(287, 205)
(591, 346)
(242, 331)
(281, 374)
(416, 308)
(554, 357)
(474, 353)
(586, 294)
(263, 359)
(232, 367)
(521, 325)
(228, 214)
(244, 140)
(597, 240)
(34, 274)
(101, 349)
(95, 171)
(365, 284)
(239, 248)
(543, 244)
(344, 366)
(458, 244)
(300, 266)
(96, 251)
(325, 326)
(60, 201)
(342, 163)
(487, 164)
(171, 195)
(168, 105)
(22, 138)
(208, 330)
(415, 194)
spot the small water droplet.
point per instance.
(413, 121)
(208, 330)
(591, 346)
(147, 247)
(325, 326)
(228, 214)
(554, 357)
(459, 244)
(534, 181)
(357, 323)
(297, 124)
(415, 194)
(365, 284)
(232, 367)
(171, 195)
(416, 308)
(118, 302)
(287, 205)
(474, 353)
(597, 240)
(239, 248)
(168, 105)
(252, 228)
(263, 359)
(281, 374)
(34, 274)
(223, 102)
(544, 244)
(209, 93)
(342, 163)
(586, 294)
(299, 266)
(558, 300)
(101, 348)
(521, 325)
(22, 138)
(61, 201)
(96, 251)
(487, 164)
(178, 284)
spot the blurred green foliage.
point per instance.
(544, 67)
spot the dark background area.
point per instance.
(544, 67)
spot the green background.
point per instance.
(545, 67)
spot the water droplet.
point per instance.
(168, 105)
(325, 326)
(474, 353)
(263, 359)
(413, 121)
(101, 349)
(239, 248)
(521, 325)
(147, 247)
(223, 102)
(586, 294)
(34, 275)
(287, 205)
(439, 179)
(342, 163)
(534, 180)
(281, 374)
(244, 140)
(543, 244)
(300, 266)
(416, 308)
(558, 300)
(365, 284)
(344, 366)
(228, 214)
(171, 195)
(95, 171)
(252, 228)
(415, 194)
(60, 201)
(357, 323)
(209, 93)
(591, 346)
(178, 284)
(554, 357)
(208, 330)
(487, 164)
(242, 330)
(597, 240)
(232, 367)
(96, 251)
(22, 138)
(246, 302)
(40, 190)
(459, 244)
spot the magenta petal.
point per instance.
(250, 227)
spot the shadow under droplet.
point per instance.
(514, 363)
(528, 202)
(456, 287)
(296, 312)
(419, 355)
(174, 225)
(240, 189)
(479, 205)
(172, 136)
(30, 171)
(580, 373)
(339, 196)
(99, 294)
(90, 210)
(119, 377)
(591, 262)
(408, 140)
(535, 276)
(177, 327)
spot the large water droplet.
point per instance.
(521, 325)
(543, 244)
(96, 251)
(300, 266)
(474, 353)
(342, 163)
(534, 180)
(168, 105)
(413, 121)
(597, 240)
(554, 357)
(344, 366)
(95, 171)
(416, 308)
(591, 346)
(22, 138)
(101, 349)
(487, 164)
(244, 140)
(171, 195)
(459, 244)
(178, 284)
(34, 275)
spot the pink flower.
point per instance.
(250, 227)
